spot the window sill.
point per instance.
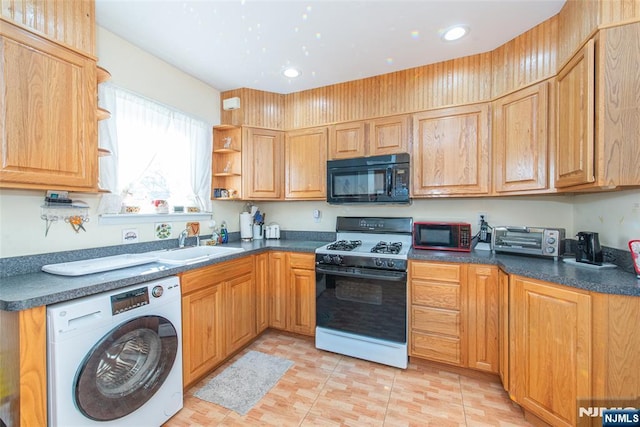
(114, 219)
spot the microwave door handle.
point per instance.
(389, 181)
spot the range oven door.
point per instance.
(365, 302)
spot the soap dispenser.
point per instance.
(224, 234)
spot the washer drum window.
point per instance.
(125, 368)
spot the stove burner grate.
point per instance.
(344, 245)
(387, 248)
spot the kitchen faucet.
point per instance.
(182, 237)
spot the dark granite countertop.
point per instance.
(607, 281)
(24, 291)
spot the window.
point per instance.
(157, 152)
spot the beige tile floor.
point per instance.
(326, 389)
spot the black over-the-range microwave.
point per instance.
(375, 179)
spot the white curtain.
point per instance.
(158, 152)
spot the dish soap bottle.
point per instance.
(224, 234)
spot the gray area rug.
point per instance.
(240, 386)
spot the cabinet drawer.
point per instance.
(199, 278)
(436, 271)
(441, 295)
(433, 347)
(304, 261)
(436, 320)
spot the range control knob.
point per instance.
(326, 259)
(378, 262)
(551, 249)
(391, 263)
(157, 291)
(337, 259)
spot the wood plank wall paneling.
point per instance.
(459, 81)
(576, 20)
(257, 108)
(618, 11)
(528, 58)
(68, 22)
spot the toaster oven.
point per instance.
(547, 242)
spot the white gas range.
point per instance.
(361, 289)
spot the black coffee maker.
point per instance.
(589, 250)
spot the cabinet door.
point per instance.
(241, 312)
(347, 140)
(306, 164)
(203, 325)
(575, 119)
(482, 316)
(302, 302)
(262, 168)
(261, 267)
(503, 328)
(552, 364)
(278, 294)
(520, 140)
(389, 135)
(48, 120)
(451, 151)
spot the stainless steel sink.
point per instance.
(193, 254)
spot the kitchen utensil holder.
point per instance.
(51, 214)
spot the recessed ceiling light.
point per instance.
(455, 33)
(291, 72)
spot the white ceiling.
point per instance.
(244, 43)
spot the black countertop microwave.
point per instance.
(375, 179)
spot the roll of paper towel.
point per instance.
(246, 226)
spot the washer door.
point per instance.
(125, 368)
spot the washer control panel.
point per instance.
(129, 300)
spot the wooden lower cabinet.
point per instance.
(552, 330)
(436, 313)
(277, 290)
(218, 315)
(292, 292)
(482, 317)
(261, 268)
(504, 345)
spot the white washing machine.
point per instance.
(115, 359)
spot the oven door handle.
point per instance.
(394, 276)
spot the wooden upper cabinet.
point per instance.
(347, 140)
(388, 135)
(575, 119)
(262, 155)
(451, 151)
(618, 106)
(598, 111)
(521, 140)
(385, 135)
(48, 119)
(306, 164)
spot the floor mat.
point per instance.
(240, 386)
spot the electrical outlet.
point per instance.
(480, 215)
